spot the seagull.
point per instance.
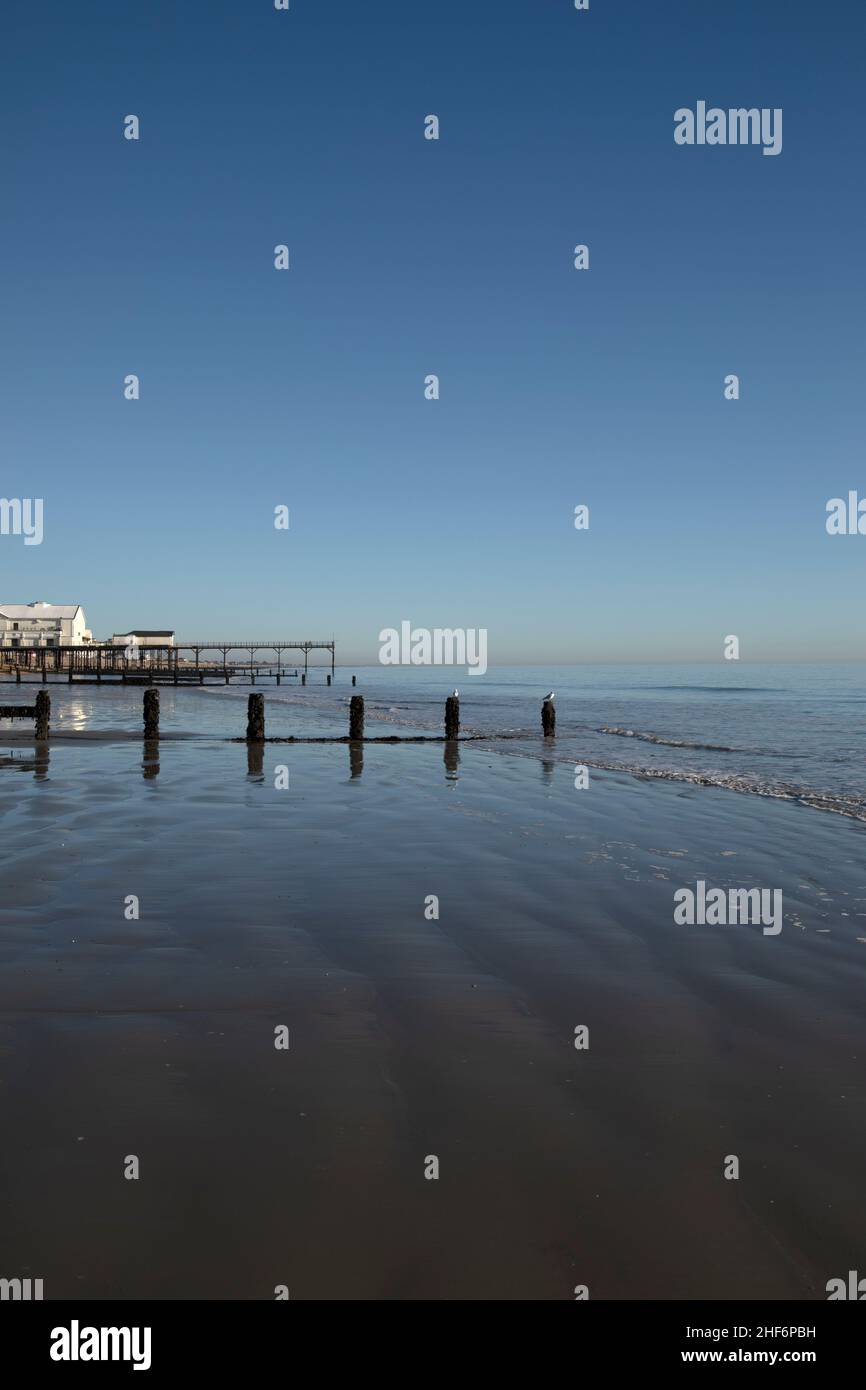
(550, 696)
(455, 693)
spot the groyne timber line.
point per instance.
(255, 732)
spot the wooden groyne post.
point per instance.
(43, 714)
(256, 719)
(452, 716)
(356, 717)
(151, 714)
(548, 719)
(40, 712)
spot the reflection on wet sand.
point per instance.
(37, 763)
(150, 759)
(452, 760)
(255, 760)
(356, 759)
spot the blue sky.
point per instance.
(454, 257)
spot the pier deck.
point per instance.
(185, 663)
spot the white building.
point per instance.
(43, 625)
(144, 637)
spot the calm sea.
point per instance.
(791, 731)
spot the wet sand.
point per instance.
(410, 1037)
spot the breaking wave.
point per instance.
(840, 803)
(574, 746)
(670, 742)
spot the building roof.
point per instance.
(39, 610)
(147, 632)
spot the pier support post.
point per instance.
(548, 719)
(452, 717)
(43, 714)
(17, 675)
(255, 719)
(151, 714)
(356, 717)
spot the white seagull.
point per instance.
(550, 696)
(455, 693)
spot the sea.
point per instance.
(791, 731)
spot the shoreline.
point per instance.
(826, 803)
(659, 725)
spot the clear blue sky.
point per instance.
(411, 257)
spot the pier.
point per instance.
(239, 662)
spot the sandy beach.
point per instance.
(412, 1037)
